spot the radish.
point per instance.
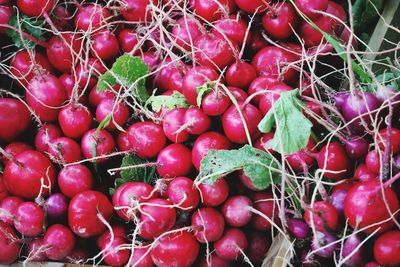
(14, 119)
(263, 142)
(214, 261)
(175, 249)
(338, 199)
(8, 209)
(118, 111)
(173, 125)
(137, 10)
(128, 39)
(393, 137)
(373, 161)
(323, 244)
(182, 193)
(141, 257)
(105, 46)
(238, 94)
(122, 141)
(113, 252)
(9, 245)
(240, 74)
(186, 30)
(264, 203)
(280, 20)
(3, 191)
(231, 245)
(214, 194)
(215, 103)
(63, 50)
(44, 135)
(298, 228)
(95, 97)
(350, 247)
(25, 175)
(85, 211)
(260, 84)
(272, 94)
(368, 205)
(5, 14)
(62, 18)
(322, 216)
(75, 120)
(29, 219)
(256, 6)
(386, 248)
(257, 42)
(56, 207)
(88, 71)
(332, 158)
(14, 149)
(208, 225)
(194, 78)
(100, 141)
(157, 216)
(117, 230)
(234, 28)
(357, 148)
(35, 8)
(236, 211)
(311, 8)
(59, 242)
(64, 150)
(258, 247)
(91, 17)
(35, 250)
(213, 10)
(174, 160)
(196, 120)
(77, 255)
(364, 174)
(303, 159)
(75, 179)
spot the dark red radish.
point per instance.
(35, 250)
(29, 175)
(280, 20)
(9, 245)
(393, 137)
(174, 160)
(84, 211)
(75, 179)
(91, 17)
(29, 219)
(233, 125)
(175, 81)
(62, 18)
(338, 199)
(256, 6)
(213, 10)
(196, 120)
(298, 228)
(100, 141)
(261, 84)
(157, 216)
(104, 46)
(230, 245)
(236, 210)
(14, 149)
(88, 71)
(333, 159)
(128, 39)
(195, 77)
(205, 142)
(182, 193)
(64, 150)
(357, 148)
(14, 119)
(8, 209)
(175, 249)
(387, 247)
(5, 14)
(258, 246)
(208, 225)
(264, 203)
(3, 191)
(75, 120)
(63, 51)
(240, 74)
(364, 174)
(45, 134)
(214, 261)
(59, 242)
(146, 139)
(95, 97)
(174, 126)
(141, 257)
(373, 161)
(303, 159)
(372, 264)
(368, 205)
(137, 10)
(351, 247)
(234, 28)
(186, 30)
(257, 42)
(312, 9)
(35, 8)
(214, 194)
(214, 51)
(57, 207)
(118, 111)
(324, 244)
(114, 253)
(271, 95)
(263, 142)
(322, 216)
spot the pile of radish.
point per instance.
(195, 133)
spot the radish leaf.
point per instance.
(31, 26)
(176, 100)
(140, 174)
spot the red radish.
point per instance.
(57, 207)
(231, 244)
(77, 255)
(117, 230)
(75, 179)
(91, 17)
(62, 51)
(280, 20)
(175, 81)
(240, 74)
(186, 30)
(208, 225)
(324, 244)
(350, 246)
(234, 28)
(157, 216)
(368, 205)
(214, 51)
(246, 181)
(146, 139)
(268, 99)
(29, 219)
(64, 150)
(333, 159)
(311, 8)
(236, 210)
(163, 76)
(258, 247)
(215, 103)
(322, 216)
(141, 257)
(8, 209)
(118, 110)
(14, 149)
(357, 148)
(372, 264)
(102, 141)
(3, 191)
(260, 84)
(394, 139)
(75, 120)
(35, 8)
(194, 78)
(214, 261)
(113, 252)
(174, 160)
(9, 245)
(25, 175)
(233, 125)
(196, 120)
(88, 71)
(151, 59)
(337, 199)
(25, 65)
(45, 134)
(175, 249)
(173, 125)
(14, 119)
(62, 18)
(95, 97)
(251, 7)
(205, 142)
(303, 159)
(84, 211)
(35, 250)
(214, 194)
(298, 228)
(45, 95)
(373, 161)
(59, 242)
(257, 41)
(104, 46)
(5, 14)
(213, 10)
(182, 192)
(364, 174)
(264, 202)
(386, 249)
(128, 39)
(137, 10)
(238, 94)
(122, 141)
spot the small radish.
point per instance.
(364, 174)
(95, 97)
(298, 228)
(394, 140)
(324, 244)
(114, 253)
(75, 179)
(122, 141)
(44, 135)
(88, 71)
(264, 203)
(387, 247)
(137, 10)
(213, 10)
(186, 30)
(173, 125)
(63, 50)
(214, 194)
(128, 39)
(240, 74)
(256, 6)
(104, 46)
(280, 20)
(174, 160)
(182, 193)
(5, 14)
(195, 77)
(75, 120)
(59, 242)
(118, 111)
(141, 257)
(234, 28)
(14, 149)
(91, 17)
(101, 142)
(236, 210)
(215, 103)
(64, 150)
(231, 245)
(303, 159)
(35, 8)
(357, 148)
(311, 8)
(322, 216)
(29, 219)
(57, 207)
(208, 225)
(373, 161)
(333, 159)
(350, 246)
(258, 246)
(260, 84)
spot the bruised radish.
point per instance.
(208, 225)
(59, 242)
(182, 193)
(231, 244)
(14, 119)
(322, 216)
(29, 219)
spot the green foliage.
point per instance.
(31, 26)
(176, 100)
(364, 12)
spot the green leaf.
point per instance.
(258, 165)
(364, 12)
(127, 71)
(176, 100)
(142, 174)
(31, 26)
(202, 91)
(104, 123)
(293, 129)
